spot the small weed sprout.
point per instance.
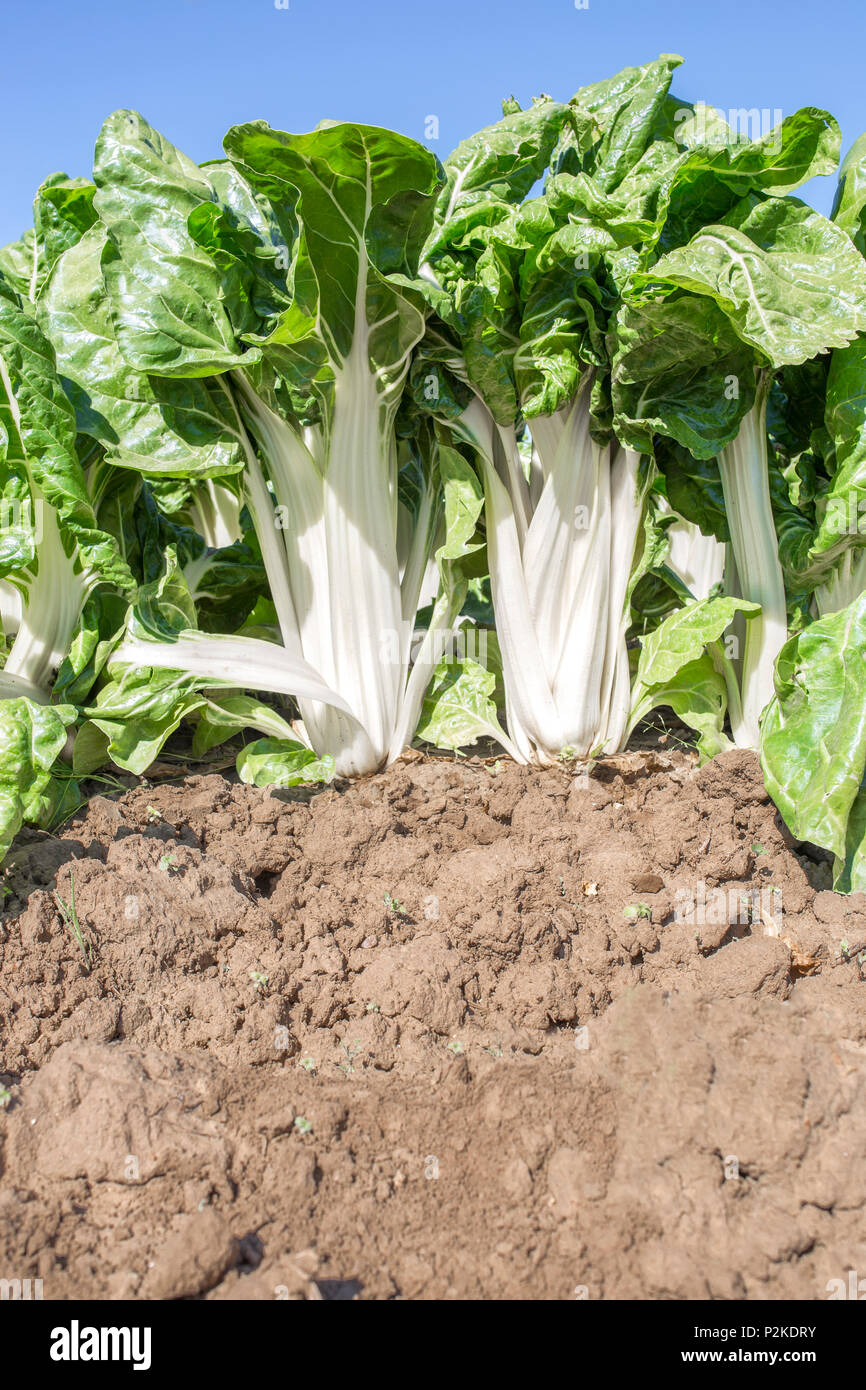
(5, 1097)
(394, 906)
(351, 1050)
(70, 918)
(308, 1064)
(667, 735)
(455, 1047)
(635, 910)
(303, 1125)
(259, 979)
(167, 863)
(847, 952)
(372, 1008)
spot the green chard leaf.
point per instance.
(813, 748)
(31, 739)
(459, 707)
(275, 762)
(682, 665)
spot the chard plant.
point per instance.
(266, 313)
(604, 316)
(59, 572)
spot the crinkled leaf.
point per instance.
(101, 625)
(164, 606)
(31, 738)
(147, 423)
(221, 719)
(38, 454)
(844, 505)
(685, 635)
(140, 710)
(697, 694)
(681, 370)
(164, 290)
(849, 206)
(498, 165)
(63, 213)
(676, 668)
(693, 487)
(458, 708)
(365, 206)
(721, 166)
(813, 746)
(464, 502)
(626, 108)
(90, 750)
(790, 282)
(17, 263)
(272, 762)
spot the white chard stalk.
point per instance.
(745, 479)
(559, 569)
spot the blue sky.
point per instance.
(195, 67)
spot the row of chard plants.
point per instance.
(326, 447)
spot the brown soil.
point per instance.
(271, 1083)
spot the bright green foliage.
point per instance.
(322, 447)
(814, 745)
